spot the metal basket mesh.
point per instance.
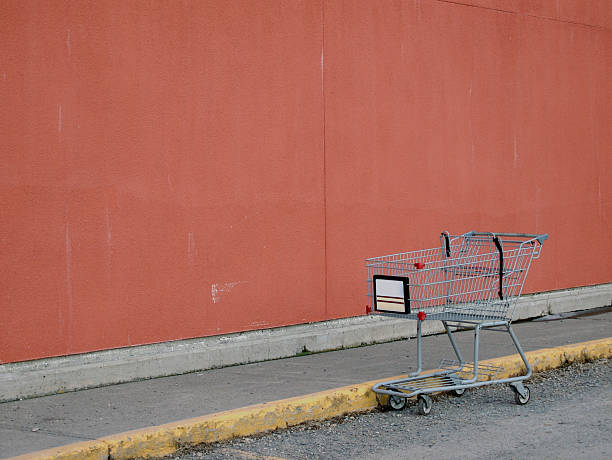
(465, 278)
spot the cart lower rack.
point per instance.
(472, 281)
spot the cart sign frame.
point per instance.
(391, 293)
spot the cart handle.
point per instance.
(447, 243)
(540, 238)
(498, 245)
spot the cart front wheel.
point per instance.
(522, 400)
(458, 392)
(397, 402)
(424, 405)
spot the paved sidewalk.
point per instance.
(41, 423)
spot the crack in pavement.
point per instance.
(34, 431)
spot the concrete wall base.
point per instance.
(76, 372)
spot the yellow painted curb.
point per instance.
(246, 421)
(552, 358)
(87, 450)
(165, 439)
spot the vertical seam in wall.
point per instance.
(324, 150)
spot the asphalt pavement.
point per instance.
(50, 421)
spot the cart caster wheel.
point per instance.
(458, 392)
(519, 399)
(424, 405)
(397, 403)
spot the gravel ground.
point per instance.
(569, 416)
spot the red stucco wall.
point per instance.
(182, 169)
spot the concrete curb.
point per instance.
(165, 439)
(76, 372)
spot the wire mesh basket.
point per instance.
(473, 276)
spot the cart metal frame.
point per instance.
(472, 281)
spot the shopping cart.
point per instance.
(472, 281)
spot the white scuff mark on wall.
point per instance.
(68, 43)
(108, 226)
(599, 188)
(260, 323)
(4, 76)
(322, 69)
(218, 290)
(515, 153)
(59, 118)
